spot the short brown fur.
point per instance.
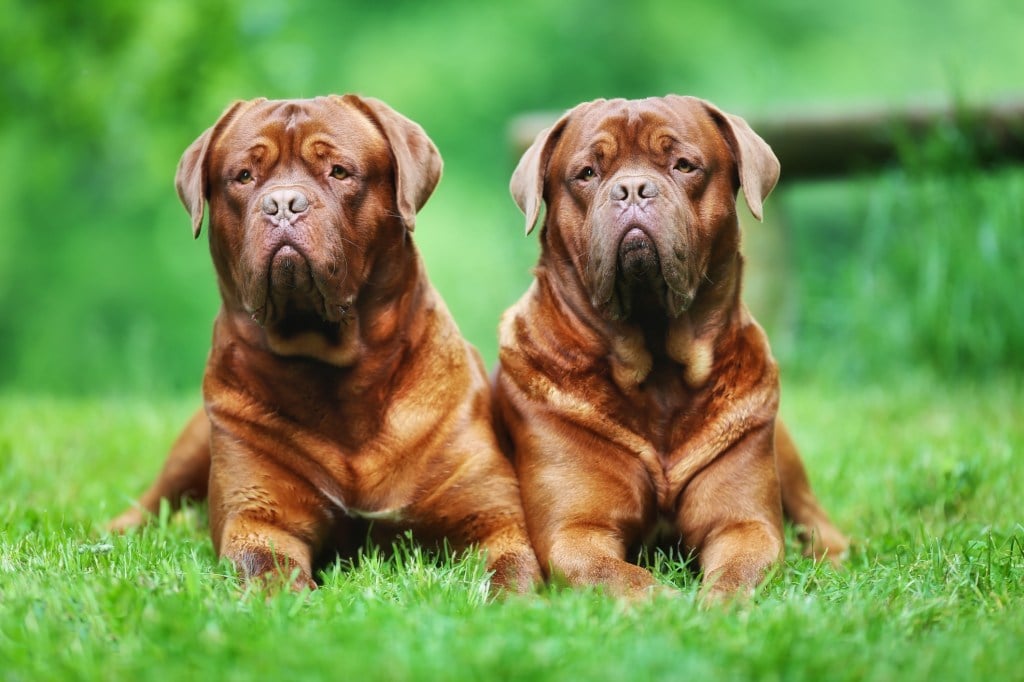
(338, 387)
(634, 386)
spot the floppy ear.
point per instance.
(192, 178)
(758, 166)
(527, 184)
(418, 164)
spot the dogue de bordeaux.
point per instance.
(338, 387)
(637, 391)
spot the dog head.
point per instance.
(641, 196)
(302, 195)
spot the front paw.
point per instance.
(515, 573)
(265, 569)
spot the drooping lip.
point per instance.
(288, 268)
(282, 266)
(635, 237)
(616, 259)
(261, 303)
(286, 249)
(637, 258)
(666, 272)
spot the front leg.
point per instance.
(264, 516)
(731, 513)
(586, 501)
(593, 554)
(510, 557)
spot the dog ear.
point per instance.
(418, 164)
(527, 184)
(758, 166)
(192, 178)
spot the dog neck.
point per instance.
(649, 342)
(700, 335)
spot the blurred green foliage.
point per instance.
(102, 290)
(916, 268)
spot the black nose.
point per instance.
(284, 203)
(633, 190)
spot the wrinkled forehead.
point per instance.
(311, 126)
(612, 128)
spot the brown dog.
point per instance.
(338, 386)
(634, 385)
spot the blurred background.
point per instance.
(912, 268)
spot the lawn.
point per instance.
(923, 474)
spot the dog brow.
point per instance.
(663, 139)
(264, 148)
(316, 146)
(604, 144)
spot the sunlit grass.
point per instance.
(921, 475)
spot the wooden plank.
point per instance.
(827, 143)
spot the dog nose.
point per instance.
(284, 203)
(634, 190)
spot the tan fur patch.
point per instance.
(696, 354)
(631, 361)
(315, 345)
(701, 358)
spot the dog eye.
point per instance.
(586, 174)
(684, 166)
(338, 173)
(244, 178)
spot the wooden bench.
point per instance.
(815, 144)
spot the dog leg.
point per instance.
(821, 539)
(267, 554)
(731, 513)
(588, 554)
(736, 557)
(511, 560)
(185, 473)
(583, 518)
(267, 518)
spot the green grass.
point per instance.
(924, 476)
